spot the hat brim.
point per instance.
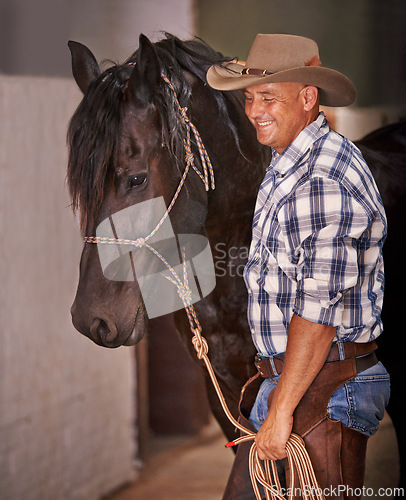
(335, 88)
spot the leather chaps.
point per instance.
(336, 451)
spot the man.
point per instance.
(315, 270)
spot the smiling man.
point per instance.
(314, 275)
(278, 112)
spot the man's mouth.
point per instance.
(264, 123)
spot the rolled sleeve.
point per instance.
(315, 303)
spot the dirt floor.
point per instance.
(197, 468)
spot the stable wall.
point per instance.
(364, 39)
(67, 428)
(69, 418)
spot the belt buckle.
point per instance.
(266, 366)
(257, 361)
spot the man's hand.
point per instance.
(273, 435)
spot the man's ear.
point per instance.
(311, 97)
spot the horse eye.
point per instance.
(137, 180)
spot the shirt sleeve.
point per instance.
(323, 226)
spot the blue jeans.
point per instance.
(359, 403)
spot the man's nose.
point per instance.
(254, 108)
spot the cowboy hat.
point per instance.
(284, 58)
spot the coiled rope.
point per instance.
(261, 472)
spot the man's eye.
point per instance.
(137, 180)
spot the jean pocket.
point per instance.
(259, 411)
(360, 403)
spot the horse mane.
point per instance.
(94, 129)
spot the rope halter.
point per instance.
(207, 176)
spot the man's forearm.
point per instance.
(307, 349)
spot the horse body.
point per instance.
(126, 146)
(230, 205)
(385, 152)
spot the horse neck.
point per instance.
(238, 173)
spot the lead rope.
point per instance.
(261, 473)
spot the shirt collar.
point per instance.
(299, 146)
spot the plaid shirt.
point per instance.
(316, 251)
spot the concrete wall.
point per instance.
(66, 405)
(34, 34)
(69, 419)
(111, 28)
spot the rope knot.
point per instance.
(189, 158)
(183, 115)
(139, 242)
(186, 295)
(200, 344)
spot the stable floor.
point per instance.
(197, 468)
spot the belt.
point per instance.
(363, 353)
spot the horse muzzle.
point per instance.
(106, 332)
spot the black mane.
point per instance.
(94, 130)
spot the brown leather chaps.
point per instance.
(336, 451)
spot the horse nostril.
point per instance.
(100, 330)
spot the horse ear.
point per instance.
(84, 65)
(146, 76)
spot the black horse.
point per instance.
(385, 152)
(126, 146)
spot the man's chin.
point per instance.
(265, 133)
(264, 138)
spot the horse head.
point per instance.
(126, 146)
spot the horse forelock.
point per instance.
(93, 138)
(95, 128)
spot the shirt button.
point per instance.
(249, 291)
(252, 330)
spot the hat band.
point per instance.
(259, 72)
